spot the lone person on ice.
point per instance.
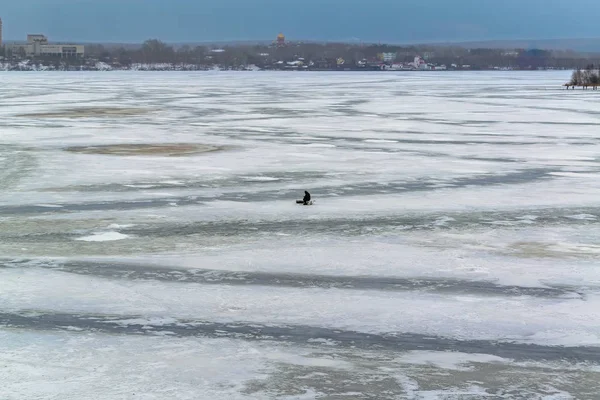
(305, 200)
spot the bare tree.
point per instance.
(576, 78)
(154, 50)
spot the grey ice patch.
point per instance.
(309, 281)
(357, 189)
(383, 375)
(15, 164)
(293, 334)
(346, 227)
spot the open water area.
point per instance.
(151, 247)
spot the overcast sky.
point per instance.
(393, 21)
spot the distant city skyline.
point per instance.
(389, 21)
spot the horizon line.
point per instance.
(341, 41)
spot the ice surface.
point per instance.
(490, 318)
(455, 361)
(452, 249)
(103, 237)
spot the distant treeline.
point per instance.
(327, 55)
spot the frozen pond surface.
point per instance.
(151, 247)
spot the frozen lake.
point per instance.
(151, 247)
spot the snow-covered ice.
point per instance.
(103, 237)
(452, 251)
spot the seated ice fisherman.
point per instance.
(305, 200)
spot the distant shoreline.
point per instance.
(286, 71)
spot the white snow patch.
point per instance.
(583, 217)
(260, 178)
(103, 237)
(380, 141)
(120, 226)
(323, 145)
(449, 360)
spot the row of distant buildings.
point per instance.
(418, 64)
(38, 46)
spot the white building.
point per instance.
(420, 64)
(37, 45)
(388, 57)
(396, 67)
(37, 39)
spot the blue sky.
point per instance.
(393, 21)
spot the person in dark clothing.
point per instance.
(306, 198)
